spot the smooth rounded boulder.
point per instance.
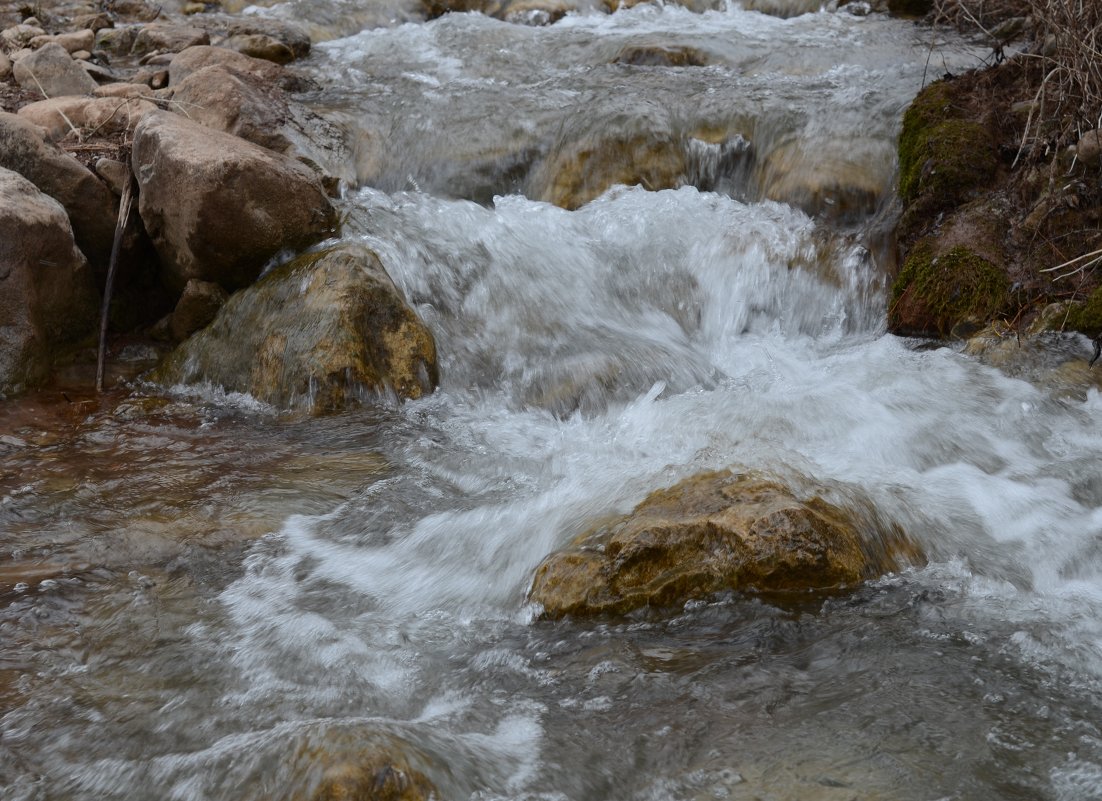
(238, 103)
(47, 297)
(59, 116)
(713, 532)
(51, 71)
(219, 208)
(91, 206)
(320, 333)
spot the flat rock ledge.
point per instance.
(713, 532)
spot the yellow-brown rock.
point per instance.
(576, 174)
(323, 332)
(661, 55)
(712, 532)
(379, 779)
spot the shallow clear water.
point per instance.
(201, 598)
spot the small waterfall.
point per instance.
(649, 243)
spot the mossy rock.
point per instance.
(943, 156)
(712, 532)
(323, 332)
(945, 294)
(1086, 318)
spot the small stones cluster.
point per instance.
(198, 115)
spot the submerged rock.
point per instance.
(262, 46)
(578, 172)
(46, 292)
(840, 180)
(218, 207)
(521, 12)
(325, 331)
(713, 532)
(661, 55)
(380, 778)
(1052, 359)
(294, 37)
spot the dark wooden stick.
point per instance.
(120, 225)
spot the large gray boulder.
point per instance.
(47, 297)
(51, 71)
(218, 207)
(91, 207)
(325, 331)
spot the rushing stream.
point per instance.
(201, 598)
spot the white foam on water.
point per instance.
(778, 368)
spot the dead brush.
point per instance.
(1064, 55)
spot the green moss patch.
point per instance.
(1087, 317)
(934, 294)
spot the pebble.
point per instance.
(1089, 147)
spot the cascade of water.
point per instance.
(733, 319)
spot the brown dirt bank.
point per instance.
(999, 189)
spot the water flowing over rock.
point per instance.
(218, 207)
(576, 173)
(522, 12)
(46, 292)
(322, 332)
(713, 532)
(378, 779)
(839, 180)
(91, 207)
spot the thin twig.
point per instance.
(1069, 262)
(125, 203)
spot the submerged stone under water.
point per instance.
(203, 597)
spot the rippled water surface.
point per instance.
(201, 598)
